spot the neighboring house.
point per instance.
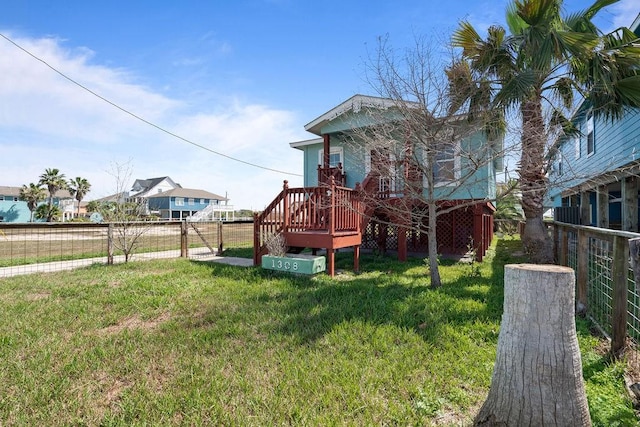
(164, 197)
(194, 205)
(12, 209)
(321, 216)
(594, 176)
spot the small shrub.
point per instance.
(276, 244)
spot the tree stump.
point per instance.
(537, 377)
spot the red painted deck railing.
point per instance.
(329, 209)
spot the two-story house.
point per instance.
(12, 209)
(354, 192)
(170, 201)
(594, 176)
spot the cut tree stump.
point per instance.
(537, 377)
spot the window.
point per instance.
(446, 168)
(591, 142)
(335, 157)
(576, 144)
(159, 190)
(382, 162)
(192, 202)
(560, 168)
(179, 201)
(202, 201)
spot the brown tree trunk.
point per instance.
(436, 282)
(537, 378)
(533, 183)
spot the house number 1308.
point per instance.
(284, 265)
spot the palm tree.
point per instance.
(79, 188)
(32, 194)
(536, 69)
(54, 181)
(48, 213)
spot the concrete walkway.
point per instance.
(195, 254)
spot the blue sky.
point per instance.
(239, 77)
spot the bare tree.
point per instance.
(124, 215)
(422, 161)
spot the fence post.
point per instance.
(619, 274)
(220, 243)
(563, 236)
(184, 239)
(582, 252)
(110, 244)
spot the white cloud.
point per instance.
(48, 121)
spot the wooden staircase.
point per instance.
(326, 217)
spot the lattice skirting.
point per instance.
(455, 231)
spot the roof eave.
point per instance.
(300, 144)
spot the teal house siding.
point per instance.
(616, 146)
(478, 183)
(611, 169)
(14, 211)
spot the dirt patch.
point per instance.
(134, 322)
(38, 296)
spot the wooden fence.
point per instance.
(606, 287)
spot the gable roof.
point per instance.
(189, 193)
(355, 104)
(142, 186)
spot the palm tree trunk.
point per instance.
(533, 182)
(537, 377)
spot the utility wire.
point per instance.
(160, 128)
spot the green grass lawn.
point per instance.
(178, 342)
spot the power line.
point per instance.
(124, 110)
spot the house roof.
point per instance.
(145, 185)
(189, 193)
(113, 197)
(300, 144)
(15, 191)
(9, 191)
(355, 104)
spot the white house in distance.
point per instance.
(170, 201)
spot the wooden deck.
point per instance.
(327, 217)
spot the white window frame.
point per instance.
(192, 201)
(576, 144)
(202, 202)
(332, 150)
(457, 167)
(179, 201)
(590, 133)
(385, 183)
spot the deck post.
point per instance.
(285, 202)
(356, 258)
(585, 208)
(327, 150)
(602, 198)
(402, 243)
(630, 204)
(477, 232)
(331, 261)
